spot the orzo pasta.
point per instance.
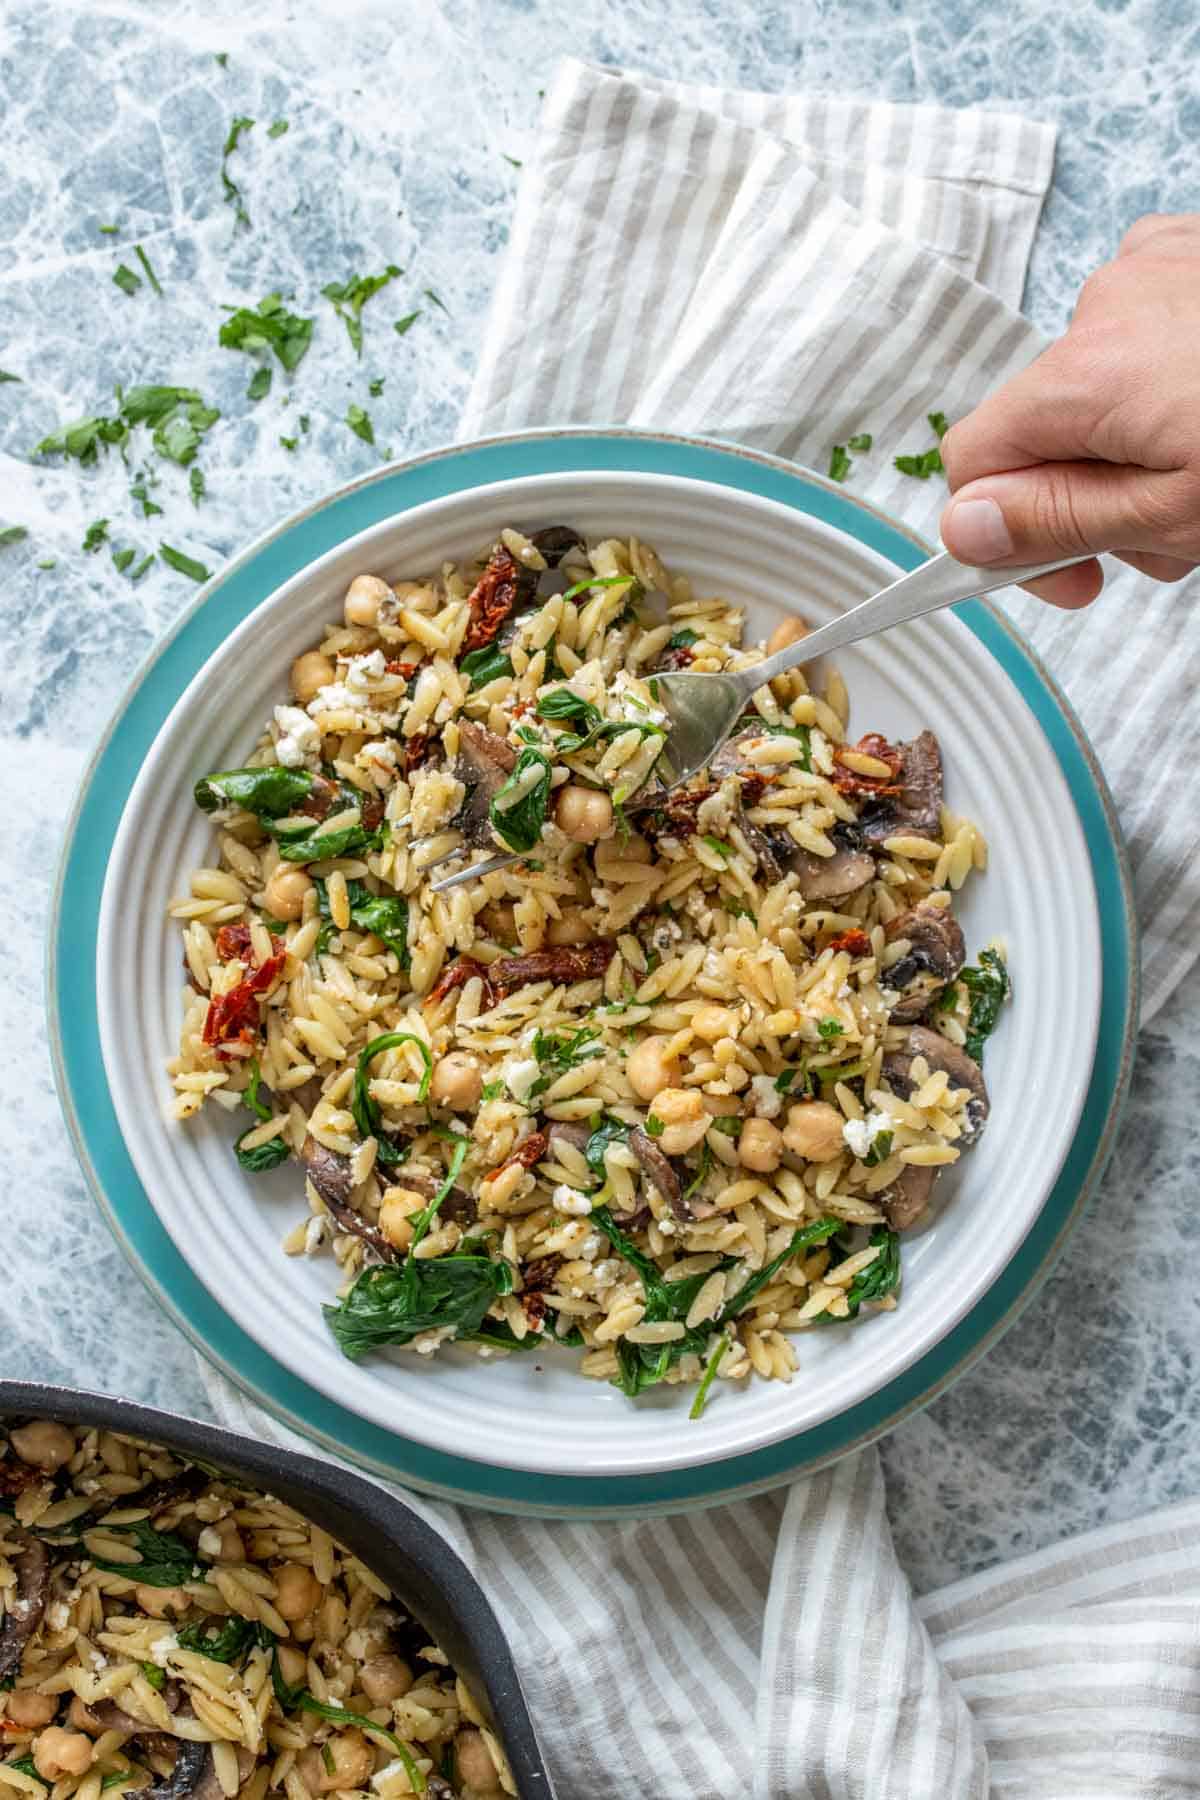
(667, 1089)
(169, 1632)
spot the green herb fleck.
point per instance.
(95, 535)
(277, 129)
(989, 986)
(154, 1675)
(401, 325)
(290, 443)
(719, 845)
(151, 277)
(166, 1561)
(437, 301)
(487, 664)
(709, 1376)
(360, 424)
(123, 558)
(939, 424)
(860, 443)
(268, 326)
(12, 534)
(839, 463)
(48, 562)
(138, 492)
(196, 485)
(654, 1126)
(375, 388)
(184, 565)
(828, 1029)
(350, 296)
(260, 383)
(491, 1090)
(222, 57)
(136, 574)
(125, 279)
(233, 193)
(928, 463)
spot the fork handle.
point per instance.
(937, 583)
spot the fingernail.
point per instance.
(975, 532)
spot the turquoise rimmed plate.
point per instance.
(737, 1456)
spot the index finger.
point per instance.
(1041, 415)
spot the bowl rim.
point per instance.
(1062, 717)
(338, 1490)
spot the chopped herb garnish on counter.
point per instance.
(151, 277)
(350, 296)
(401, 325)
(268, 326)
(123, 558)
(95, 535)
(136, 574)
(48, 562)
(196, 485)
(138, 492)
(260, 383)
(360, 424)
(939, 424)
(290, 443)
(437, 301)
(184, 565)
(512, 160)
(839, 463)
(7, 374)
(232, 191)
(125, 279)
(375, 388)
(277, 129)
(12, 534)
(860, 443)
(928, 463)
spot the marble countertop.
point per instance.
(403, 127)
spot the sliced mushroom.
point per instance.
(935, 954)
(908, 1196)
(916, 811)
(331, 1175)
(32, 1567)
(555, 541)
(832, 877)
(731, 758)
(940, 1053)
(563, 1131)
(193, 1775)
(773, 850)
(484, 764)
(659, 1170)
(458, 1205)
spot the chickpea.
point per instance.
(284, 894)
(583, 813)
(814, 1130)
(57, 1753)
(310, 673)
(386, 1678)
(473, 1762)
(456, 1083)
(713, 1022)
(229, 1540)
(43, 1443)
(353, 1758)
(499, 921)
(397, 1213)
(684, 1119)
(158, 1601)
(297, 1591)
(363, 596)
(760, 1146)
(30, 1709)
(293, 1664)
(649, 1070)
(571, 928)
(788, 631)
(310, 1767)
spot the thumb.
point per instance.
(1052, 510)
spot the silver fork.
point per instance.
(703, 709)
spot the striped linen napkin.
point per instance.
(786, 272)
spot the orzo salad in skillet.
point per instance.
(170, 1632)
(669, 1089)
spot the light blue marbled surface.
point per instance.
(400, 122)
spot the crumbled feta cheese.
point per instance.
(361, 671)
(570, 1200)
(209, 1541)
(768, 1101)
(314, 1235)
(520, 1077)
(162, 1647)
(859, 1134)
(58, 1613)
(298, 737)
(334, 698)
(383, 752)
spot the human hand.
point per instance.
(1096, 446)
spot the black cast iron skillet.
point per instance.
(421, 1569)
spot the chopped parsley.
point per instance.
(290, 443)
(196, 485)
(350, 296)
(654, 1126)
(222, 57)
(109, 230)
(860, 443)
(260, 383)
(125, 279)
(123, 558)
(989, 986)
(375, 388)
(151, 277)
(828, 1029)
(512, 160)
(178, 418)
(12, 534)
(277, 129)
(491, 1090)
(437, 301)
(939, 424)
(360, 424)
(268, 326)
(185, 565)
(95, 535)
(401, 326)
(839, 463)
(48, 562)
(136, 574)
(722, 849)
(138, 492)
(557, 1052)
(7, 374)
(233, 193)
(927, 463)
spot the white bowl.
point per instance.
(535, 1412)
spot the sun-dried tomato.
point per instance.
(457, 975)
(524, 1156)
(849, 781)
(508, 973)
(232, 1021)
(679, 658)
(396, 667)
(855, 943)
(493, 598)
(416, 751)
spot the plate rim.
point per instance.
(473, 1482)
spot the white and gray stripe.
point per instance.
(788, 271)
